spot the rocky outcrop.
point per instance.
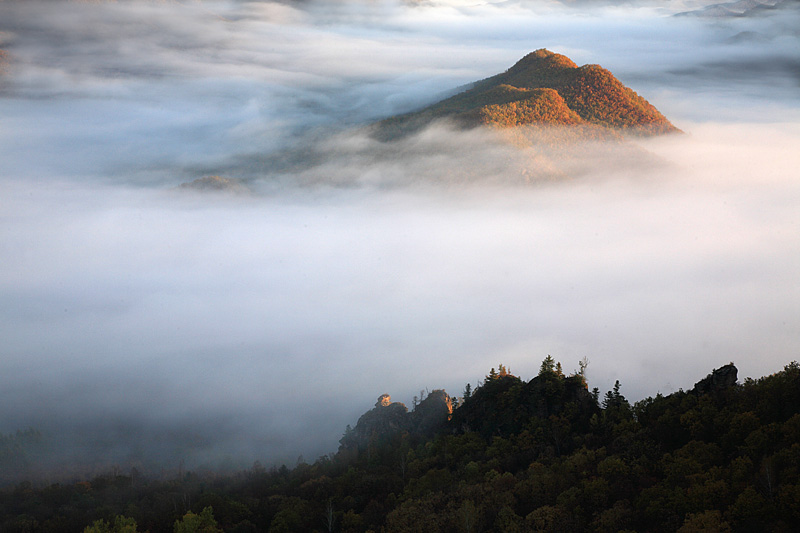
(503, 405)
(388, 419)
(385, 419)
(720, 379)
(432, 413)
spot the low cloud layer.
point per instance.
(144, 324)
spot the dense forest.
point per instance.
(511, 455)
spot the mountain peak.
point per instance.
(542, 88)
(543, 59)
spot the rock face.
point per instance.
(719, 379)
(388, 419)
(543, 88)
(432, 413)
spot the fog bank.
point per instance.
(144, 325)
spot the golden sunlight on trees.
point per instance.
(197, 523)
(541, 89)
(121, 524)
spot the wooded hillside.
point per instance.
(542, 89)
(539, 455)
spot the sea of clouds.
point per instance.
(144, 325)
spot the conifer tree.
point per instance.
(548, 366)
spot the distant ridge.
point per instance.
(215, 184)
(738, 8)
(542, 88)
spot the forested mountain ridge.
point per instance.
(539, 455)
(542, 88)
(544, 120)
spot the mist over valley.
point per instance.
(149, 325)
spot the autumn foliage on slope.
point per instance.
(543, 88)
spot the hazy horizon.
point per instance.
(143, 323)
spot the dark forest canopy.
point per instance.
(509, 455)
